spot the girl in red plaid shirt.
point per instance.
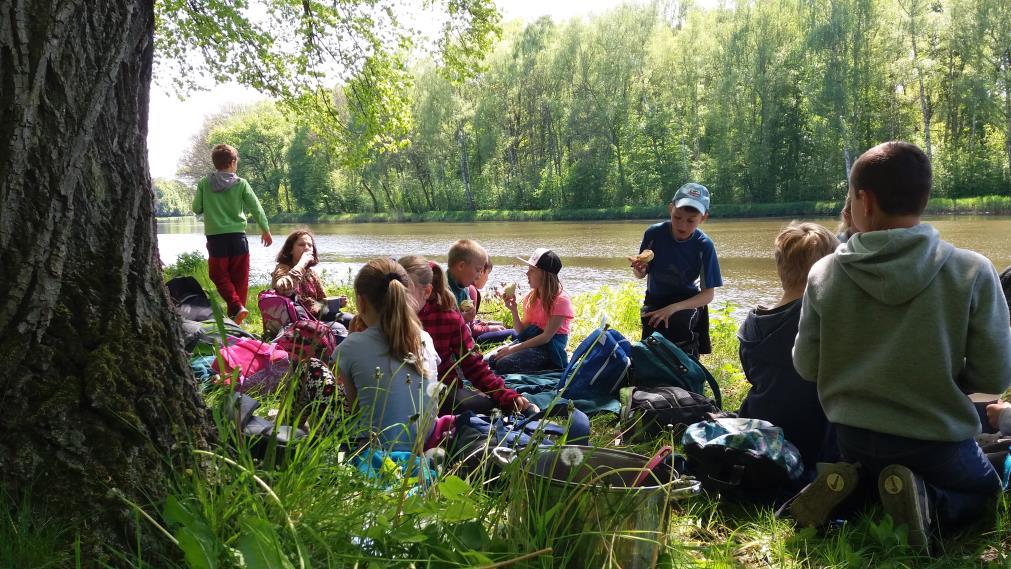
(455, 346)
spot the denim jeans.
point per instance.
(497, 336)
(530, 360)
(961, 483)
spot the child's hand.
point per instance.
(660, 316)
(520, 404)
(501, 353)
(266, 239)
(510, 303)
(638, 266)
(994, 410)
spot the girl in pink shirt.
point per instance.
(544, 328)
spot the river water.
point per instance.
(593, 252)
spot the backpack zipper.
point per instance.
(666, 354)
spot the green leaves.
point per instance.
(196, 540)
(260, 546)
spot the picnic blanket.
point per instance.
(541, 390)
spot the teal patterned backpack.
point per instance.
(748, 459)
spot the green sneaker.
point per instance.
(813, 506)
(904, 497)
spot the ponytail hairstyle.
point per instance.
(383, 285)
(424, 272)
(546, 294)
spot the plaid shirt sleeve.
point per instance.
(455, 346)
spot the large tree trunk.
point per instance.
(95, 387)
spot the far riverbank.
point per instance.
(984, 205)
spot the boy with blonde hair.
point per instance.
(467, 259)
(896, 327)
(223, 197)
(778, 394)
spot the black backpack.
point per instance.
(647, 412)
(190, 298)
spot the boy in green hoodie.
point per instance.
(896, 327)
(223, 197)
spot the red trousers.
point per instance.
(228, 265)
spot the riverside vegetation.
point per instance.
(765, 102)
(313, 509)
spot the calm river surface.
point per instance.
(593, 253)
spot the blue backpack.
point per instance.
(475, 434)
(599, 366)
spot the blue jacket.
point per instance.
(778, 393)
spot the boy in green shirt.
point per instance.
(223, 197)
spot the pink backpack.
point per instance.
(259, 364)
(309, 338)
(278, 311)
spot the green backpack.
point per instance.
(656, 361)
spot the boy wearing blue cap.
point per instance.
(683, 272)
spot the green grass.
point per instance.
(982, 205)
(312, 508)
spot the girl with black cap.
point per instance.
(544, 328)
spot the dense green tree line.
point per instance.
(763, 101)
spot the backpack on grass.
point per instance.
(279, 311)
(309, 338)
(190, 298)
(746, 459)
(599, 366)
(656, 361)
(476, 434)
(261, 434)
(255, 363)
(646, 412)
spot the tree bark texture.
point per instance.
(96, 392)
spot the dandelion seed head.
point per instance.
(434, 389)
(437, 455)
(571, 456)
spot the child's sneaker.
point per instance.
(814, 505)
(904, 497)
(241, 315)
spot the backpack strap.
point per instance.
(579, 423)
(713, 385)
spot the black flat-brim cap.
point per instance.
(545, 260)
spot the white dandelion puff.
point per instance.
(436, 455)
(410, 358)
(434, 389)
(571, 456)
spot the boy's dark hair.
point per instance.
(898, 174)
(222, 155)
